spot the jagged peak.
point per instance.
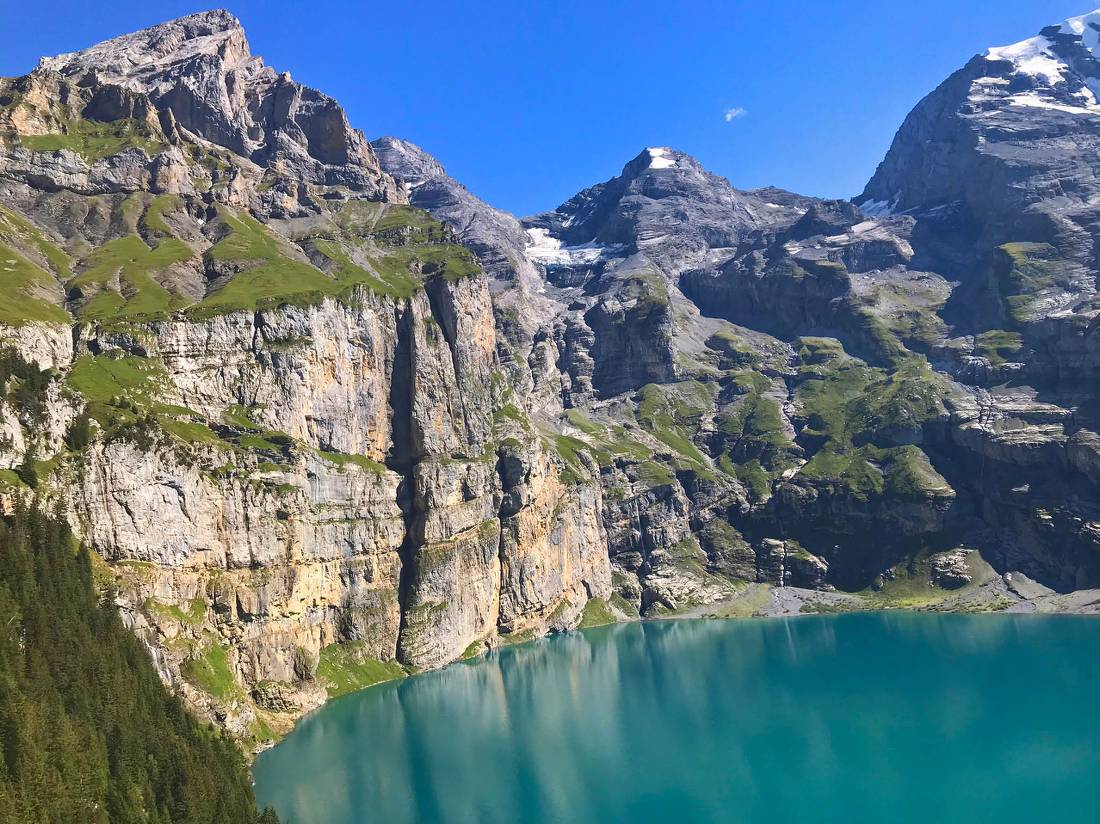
(1048, 56)
(658, 158)
(407, 160)
(1057, 70)
(215, 33)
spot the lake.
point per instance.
(878, 717)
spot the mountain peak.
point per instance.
(406, 160)
(1056, 69)
(200, 69)
(1085, 28)
(214, 33)
(660, 157)
(656, 158)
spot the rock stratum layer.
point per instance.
(326, 417)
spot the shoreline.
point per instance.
(989, 594)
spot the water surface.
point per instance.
(853, 718)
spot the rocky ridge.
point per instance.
(328, 418)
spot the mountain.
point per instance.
(328, 417)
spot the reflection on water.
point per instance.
(889, 717)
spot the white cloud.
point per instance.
(733, 113)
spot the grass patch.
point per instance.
(473, 650)
(138, 297)
(342, 460)
(154, 216)
(10, 480)
(597, 613)
(390, 277)
(271, 275)
(210, 672)
(21, 233)
(756, 445)
(23, 287)
(998, 346)
(266, 442)
(672, 412)
(732, 351)
(1023, 271)
(344, 668)
(583, 423)
(521, 637)
(655, 473)
(191, 432)
(102, 379)
(193, 615)
(624, 606)
(124, 395)
(240, 417)
(95, 140)
(401, 219)
(850, 470)
(853, 413)
(749, 602)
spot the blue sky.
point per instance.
(528, 102)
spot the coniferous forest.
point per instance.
(88, 732)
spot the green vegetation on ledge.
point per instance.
(597, 613)
(860, 424)
(208, 669)
(25, 287)
(94, 140)
(603, 442)
(139, 297)
(21, 233)
(342, 459)
(998, 346)
(756, 444)
(344, 668)
(22, 289)
(1024, 270)
(263, 270)
(269, 273)
(672, 413)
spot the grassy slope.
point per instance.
(94, 140)
(23, 283)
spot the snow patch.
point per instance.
(659, 159)
(880, 208)
(1032, 57)
(1036, 57)
(1035, 101)
(547, 250)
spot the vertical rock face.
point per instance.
(323, 412)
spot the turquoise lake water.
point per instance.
(849, 718)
